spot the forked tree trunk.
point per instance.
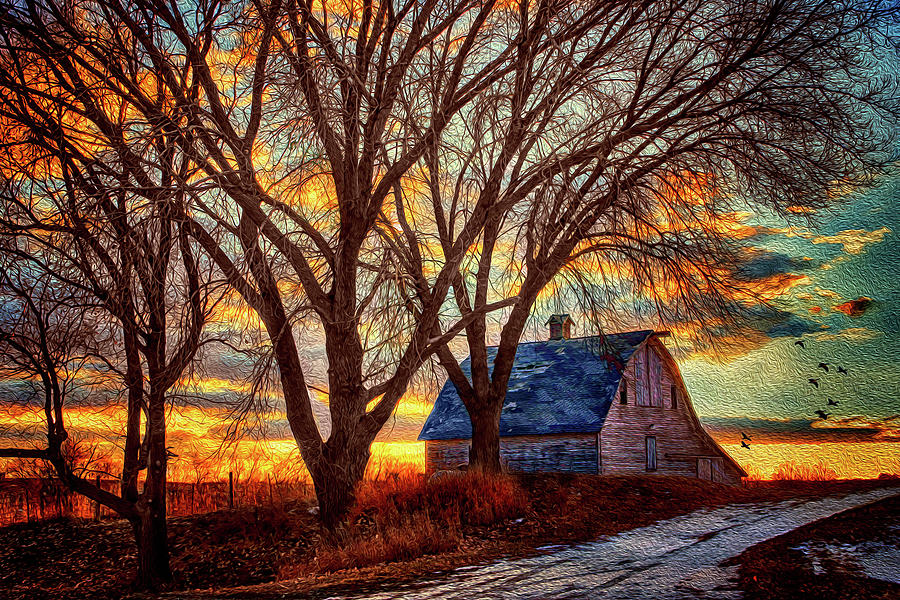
(484, 454)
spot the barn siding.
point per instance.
(678, 440)
(575, 453)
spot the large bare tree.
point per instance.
(263, 102)
(620, 157)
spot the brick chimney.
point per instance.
(560, 327)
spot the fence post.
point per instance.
(97, 503)
(230, 489)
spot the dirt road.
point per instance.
(678, 558)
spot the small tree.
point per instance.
(97, 221)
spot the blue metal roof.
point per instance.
(556, 386)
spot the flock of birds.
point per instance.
(814, 381)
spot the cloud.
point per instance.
(854, 241)
(851, 334)
(887, 429)
(790, 232)
(855, 308)
(805, 431)
(801, 210)
(763, 264)
(790, 325)
(827, 293)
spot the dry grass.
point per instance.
(792, 471)
(35, 499)
(405, 516)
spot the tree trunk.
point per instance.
(153, 550)
(150, 526)
(335, 479)
(484, 454)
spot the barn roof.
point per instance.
(556, 386)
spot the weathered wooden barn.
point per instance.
(611, 404)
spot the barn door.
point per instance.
(651, 453)
(718, 470)
(704, 468)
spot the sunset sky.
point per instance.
(757, 383)
(839, 294)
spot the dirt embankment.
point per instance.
(400, 529)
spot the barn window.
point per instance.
(674, 397)
(623, 392)
(651, 453)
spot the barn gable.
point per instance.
(655, 411)
(556, 386)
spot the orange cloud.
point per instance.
(801, 210)
(888, 428)
(855, 308)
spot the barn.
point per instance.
(599, 404)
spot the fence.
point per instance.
(31, 499)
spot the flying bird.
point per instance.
(823, 366)
(745, 445)
(815, 382)
(822, 414)
(800, 343)
(842, 370)
(744, 436)
(832, 402)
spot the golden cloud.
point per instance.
(852, 334)
(888, 427)
(801, 210)
(827, 293)
(854, 241)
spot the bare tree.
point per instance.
(620, 155)
(97, 219)
(327, 82)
